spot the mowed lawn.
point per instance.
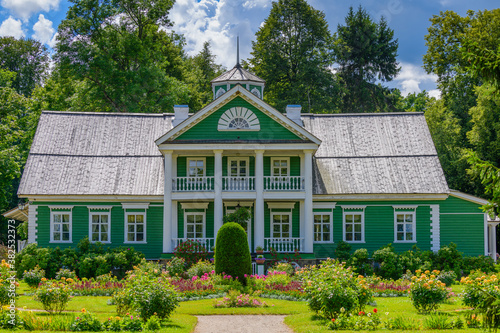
(299, 317)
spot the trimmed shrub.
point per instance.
(389, 267)
(232, 255)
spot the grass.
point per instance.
(299, 317)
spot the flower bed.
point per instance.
(389, 288)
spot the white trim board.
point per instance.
(194, 205)
(280, 205)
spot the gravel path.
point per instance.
(241, 324)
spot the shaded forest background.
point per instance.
(122, 56)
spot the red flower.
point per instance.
(361, 313)
(375, 310)
(333, 320)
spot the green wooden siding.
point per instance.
(270, 130)
(80, 228)
(457, 205)
(467, 231)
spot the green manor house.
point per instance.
(152, 181)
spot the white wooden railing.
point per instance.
(284, 245)
(208, 243)
(241, 184)
(292, 183)
(192, 184)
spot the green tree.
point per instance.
(365, 51)
(122, 58)
(28, 58)
(293, 52)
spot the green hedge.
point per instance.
(232, 255)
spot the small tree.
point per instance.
(231, 252)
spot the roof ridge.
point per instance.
(361, 114)
(93, 113)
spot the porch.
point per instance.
(279, 245)
(237, 184)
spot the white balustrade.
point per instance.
(278, 183)
(208, 243)
(284, 245)
(238, 184)
(192, 184)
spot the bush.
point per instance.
(235, 299)
(427, 292)
(482, 263)
(34, 276)
(153, 324)
(200, 268)
(6, 280)
(361, 263)
(147, 295)
(54, 296)
(334, 290)
(343, 251)
(232, 255)
(478, 287)
(191, 251)
(282, 267)
(176, 267)
(66, 274)
(86, 322)
(448, 278)
(448, 259)
(389, 267)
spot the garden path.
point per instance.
(241, 324)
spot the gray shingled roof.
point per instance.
(375, 153)
(76, 153)
(237, 74)
(95, 153)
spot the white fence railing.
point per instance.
(192, 184)
(208, 243)
(292, 183)
(238, 184)
(284, 245)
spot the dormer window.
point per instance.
(256, 92)
(220, 92)
(238, 119)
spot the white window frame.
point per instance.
(290, 224)
(204, 224)
(413, 213)
(52, 223)
(230, 159)
(144, 241)
(330, 214)
(108, 213)
(353, 212)
(287, 166)
(196, 159)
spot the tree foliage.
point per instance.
(365, 51)
(232, 255)
(28, 58)
(125, 61)
(293, 52)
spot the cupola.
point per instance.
(238, 75)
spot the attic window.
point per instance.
(239, 123)
(238, 119)
(256, 92)
(220, 92)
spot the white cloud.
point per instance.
(11, 27)
(43, 30)
(219, 22)
(412, 77)
(25, 8)
(436, 93)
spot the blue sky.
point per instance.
(220, 21)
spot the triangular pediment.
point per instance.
(238, 116)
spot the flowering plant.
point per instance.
(53, 295)
(427, 292)
(34, 276)
(191, 251)
(360, 321)
(236, 300)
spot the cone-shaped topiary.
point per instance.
(232, 255)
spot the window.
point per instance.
(100, 227)
(135, 227)
(404, 226)
(279, 167)
(323, 228)
(354, 227)
(281, 225)
(256, 92)
(196, 167)
(238, 119)
(60, 227)
(220, 92)
(239, 123)
(195, 225)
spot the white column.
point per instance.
(308, 203)
(492, 241)
(259, 198)
(218, 209)
(167, 203)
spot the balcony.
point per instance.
(192, 184)
(238, 184)
(284, 245)
(293, 183)
(208, 243)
